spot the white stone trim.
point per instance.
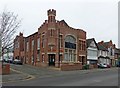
(51, 28)
(51, 53)
(61, 34)
(51, 44)
(82, 55)
(61, 53)
(51, 15)
(71, 35)
(82, 39)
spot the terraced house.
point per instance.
(103, 57)
(92, 53)
(54, 44)
(111, 50)
(117, 56)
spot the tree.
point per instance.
(9, 23)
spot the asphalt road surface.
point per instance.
(96, 78)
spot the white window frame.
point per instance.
(38, 43)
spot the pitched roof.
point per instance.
(105, 44)
(101, 47)
(88, 41)
(63, 21)
(117, 51)
(31, 34)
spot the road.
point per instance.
(104, 77)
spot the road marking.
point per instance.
(29, 77)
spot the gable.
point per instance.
(63, 21)
(92, 44)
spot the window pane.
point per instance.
(66, 57)
(38, 43)
(70, 45)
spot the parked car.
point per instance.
(108, 65)
(5, 59)
(118, 64)
(102, 65)
(8, 60)
(16, 61)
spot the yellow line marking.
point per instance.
(29, 77)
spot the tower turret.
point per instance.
(51, 15)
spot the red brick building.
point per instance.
(54, 44)
(19, 47)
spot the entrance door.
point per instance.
(82, 60)
(51, 58)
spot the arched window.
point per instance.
(70, 49)
(70, 42)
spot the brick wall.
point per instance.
(71, 66)
(5, 69)
(51, 44)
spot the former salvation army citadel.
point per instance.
(54, 44)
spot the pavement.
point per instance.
(28, 72)
(14, 76)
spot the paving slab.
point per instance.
(14, 76)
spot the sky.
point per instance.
(99, 18)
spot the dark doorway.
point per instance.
(83, 60)
(51, 58)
